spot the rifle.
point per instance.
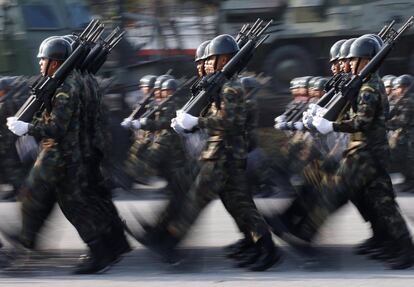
(241, 39)
(45, 87)
(151, 112)
(350, 89)
(216, 81)
(141, 107)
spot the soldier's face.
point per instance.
(157, 94)
(400, 91)
(46, 68)
(318, 93)
(209, 65)
(345, 66)
(200, 68)
(335, 67)
(145, 90)
(358, 64)
(166, 93)
(388, 90)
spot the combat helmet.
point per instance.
(344, 50)
(221, 45)
(388, 80)
(55, 48)
(147, 81)
(160, 80)
(364, 47)
(404, 80)
(334, 52)
(169, 84)
(200, 53)
(249, 83)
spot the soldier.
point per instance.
(388, 83)
(344, 60)
(12, 91)
(223, 166)
(63, 169)
(361, 176)
(334, 59)
(200, 59)
(402, 124)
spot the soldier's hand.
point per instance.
(176, 127)
(186, 121)
(126, 123)
(298, 126)
(322, 125)
(136, 124)
(281, 126)
(280, 119)
(17, 127)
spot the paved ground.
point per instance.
(204, 264)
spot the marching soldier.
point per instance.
(361, 176)
(401, 124)
(61, 171)
(223, 166)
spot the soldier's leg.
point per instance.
(239, 203)
(400, 247)
(38, 195)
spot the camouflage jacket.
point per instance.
(62, 127)
(226, 127)
(366, 122)
(252, 119)
(402, 119)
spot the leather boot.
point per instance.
(99, 260)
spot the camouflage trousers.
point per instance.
(361, 179)
(227, 180)
(51, 181)
(166, 158)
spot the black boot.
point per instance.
(116, 241)
(99, 260)
(269, 254)
(239, 247)
(369, 246)
(404, 257)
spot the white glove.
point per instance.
(143, 121)
(320, 112)
(280, 126)
(178, 129)
(135, 124)
(17, 127)
(322, 125)
(280, 119)
(126, 123)
(307, 122)
(298, 126)
(186, 121)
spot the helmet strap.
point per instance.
(47, 67)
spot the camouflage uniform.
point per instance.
(402, 137)
(63, 169)
(164, 155)
(361, 176)
(222, 170)
(12, 170)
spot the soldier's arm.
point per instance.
(60, 117)
(402, 116)
(232, 97)
(164, 120)
(367, 105)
